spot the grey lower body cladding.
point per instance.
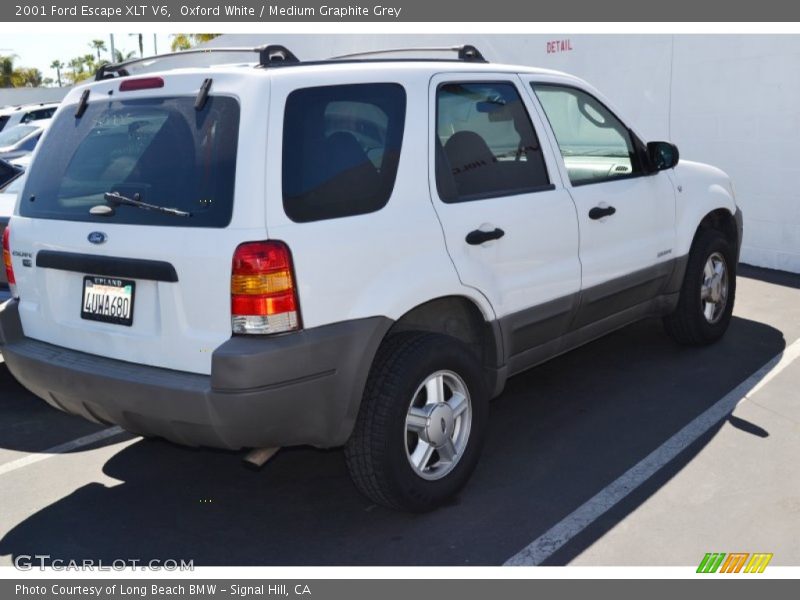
(533, 336)
(301, 388)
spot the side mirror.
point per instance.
(662, 155)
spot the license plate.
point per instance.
(108, 299)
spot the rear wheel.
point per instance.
(422, 422)
(706, 299)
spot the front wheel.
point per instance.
(422, 421)
(706, 298)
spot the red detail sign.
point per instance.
(556, 46)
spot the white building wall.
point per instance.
(16, 96)
(736, 103)
(732, 101)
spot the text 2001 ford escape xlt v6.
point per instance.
(347, 252)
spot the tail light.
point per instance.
(12, 283)
(263, 292)
(142, 83)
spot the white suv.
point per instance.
(20, 115)
(348, 252)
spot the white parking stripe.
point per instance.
(549, 542)
(60, 449)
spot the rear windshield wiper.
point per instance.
(116, 198)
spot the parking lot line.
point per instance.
(60, 449)
(549, 542)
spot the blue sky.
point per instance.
(39, 51)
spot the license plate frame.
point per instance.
(110, 305)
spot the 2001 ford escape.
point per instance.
(348, 252)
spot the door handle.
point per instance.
(598, 212)
(478, 237)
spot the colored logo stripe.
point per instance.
(734, 562)
(758, 563)
(711, 562)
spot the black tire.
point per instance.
(376, 453)
(688, 325)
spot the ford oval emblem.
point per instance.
(97, 237)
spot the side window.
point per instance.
(485, 143)
(341, 148)
(42, 113)
(595, 144)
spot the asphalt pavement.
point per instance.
(563, 442)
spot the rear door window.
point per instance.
(158, 150)
(341, 147)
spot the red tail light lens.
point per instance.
(12, 282)
(263, 292)
(141, 83)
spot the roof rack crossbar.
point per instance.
(268, 55)
(466, 52)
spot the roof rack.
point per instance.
(274, 55)
(466, 52)
(268, 56)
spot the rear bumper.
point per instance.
(293, 389)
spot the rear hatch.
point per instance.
(137, 283)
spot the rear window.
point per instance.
(157, 150)
(341, 147)
(3, 121)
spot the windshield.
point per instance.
(162, 149)
(15, 134)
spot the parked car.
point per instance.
(8, 172)
(23, 162)
(19, 115)
(20, 140)
(9, 191)
(407, 236)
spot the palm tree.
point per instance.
(184, 41)
(27, 77)
(120, 57)
(98, 45)
(77, 69)
(12, 76)
(7, 71)
(57, 65)
(141, 43)
(180, 41)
